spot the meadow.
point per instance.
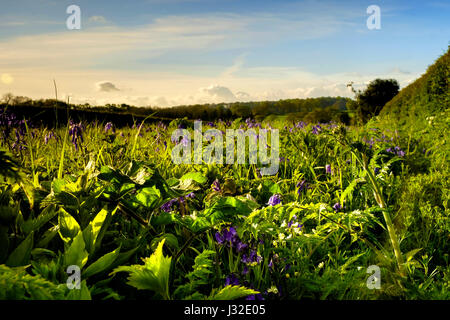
(110, 201)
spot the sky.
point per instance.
(172, 52)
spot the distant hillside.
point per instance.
(428, 95)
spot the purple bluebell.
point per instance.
(302, 186)
(167, 207)
(274, 200)
(109, 126)
(231, 280)
(337, 207)
(328, 169)
(216, 185)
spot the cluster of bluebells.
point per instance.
(300, 125)
(109, 126)
(169, 205)
(229, 237)
(76, 133)
(274, 200)
(337, 207)
(316, 129)
(302, 186)
(293, 225)
(216, 186)
(225, 123)
(184, 141)
(396, 150)
(49, 136)
(20, 132)
(251, 123)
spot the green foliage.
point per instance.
(370, 102)
(153, 275)
(16, 284)
(232, 293)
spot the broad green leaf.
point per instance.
(34, 224)
(68, 226)
(91, 232)
(21, 255)
(148, 196)
(76, 254)
(195, 176)
(232, 293)
(102, 263)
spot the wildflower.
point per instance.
(316, 129)
(216, 185)
(191, 195)
(219, 238)
(302, 185)
(337, 207)
(76, 132)
(274, 200)
(231, 280)
(110, 126)
(376, 170)
(300, 125)
(328, 169)
(245, 270)
(48, 136)
(167, 207)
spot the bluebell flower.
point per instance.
(231, 280)
(274, 200)
(302, 186)
(337, 207)
(110, 126)
(216, 185)
(328, 169)
(167, 207)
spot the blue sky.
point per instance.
(169, 52)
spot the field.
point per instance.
(353, 213)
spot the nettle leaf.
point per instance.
(76, 254)
(102, 264)
(68, 226)
(153, 275)
(232, 293)
(21, 255)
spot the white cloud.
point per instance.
(97, 19)
(218, 93)
(106, 87)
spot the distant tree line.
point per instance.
(49, 111)
(367, 103)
